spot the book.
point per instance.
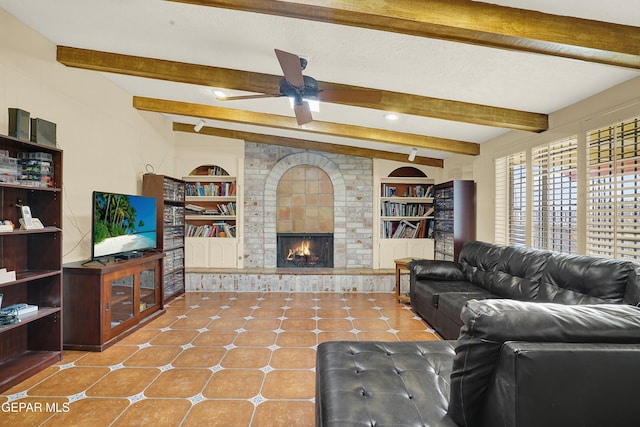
(194, 208)
(7, 276)
(19, 309)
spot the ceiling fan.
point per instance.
(298, 87)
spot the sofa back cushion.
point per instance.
(478, 261)
(579, 279)
(518, 272)
(632, 293)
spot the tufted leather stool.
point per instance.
(360, 383)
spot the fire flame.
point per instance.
(301, 250)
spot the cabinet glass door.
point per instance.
(121, 300)
(148, 289)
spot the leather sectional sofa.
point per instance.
(439, 289)
(545, 340)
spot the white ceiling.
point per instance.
(340, 54)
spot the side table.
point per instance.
(401, 266)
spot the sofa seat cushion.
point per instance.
(579, 279)
(452, 303)
(431, 290)
(360, 383)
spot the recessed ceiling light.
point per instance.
(219, 94)
(392, 116)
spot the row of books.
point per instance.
(217, 229)
(412, 191)
(219, 209)
(213, 189)
(407, 229)
(405, 209)
(217, 171)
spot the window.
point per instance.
(511, 200)
(603, 165)
(613, 183)
(555, 195)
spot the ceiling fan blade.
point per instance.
(235, 98)
(291, 68)
(303, 113)
(337, 95)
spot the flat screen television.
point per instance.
(122, 224)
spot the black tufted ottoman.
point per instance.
(360, 383)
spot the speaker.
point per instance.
(43, 132)
(19, 123)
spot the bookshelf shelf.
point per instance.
(403, 199)
(35, 342)
(211, 205)
(406, 207)
(211, 230)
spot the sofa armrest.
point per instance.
(488, 324)
(564, 384)
(435, 270)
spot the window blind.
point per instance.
(501, 210)
(518, 199)
(555, 195)
(613, 187)
(511, 200)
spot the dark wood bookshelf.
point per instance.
(455, 217)
(170, 227)
(35, 342)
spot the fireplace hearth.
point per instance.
(305, 250)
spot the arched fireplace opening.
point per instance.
(304, 219)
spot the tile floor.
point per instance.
(214, 359)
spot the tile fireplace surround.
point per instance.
(352, 180)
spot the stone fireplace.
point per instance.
(352, 205)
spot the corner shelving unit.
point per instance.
(170, 225)
(211, 218)
(34, 343)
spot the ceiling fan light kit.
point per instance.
(302, 90)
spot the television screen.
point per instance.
(122, 223)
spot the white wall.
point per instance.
(106, 142)
(618, 103)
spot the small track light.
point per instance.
(412, 154)
(198, 127)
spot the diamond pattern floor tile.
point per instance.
(215, 359)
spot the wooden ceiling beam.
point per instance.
(316, 127)
(267, 83)
(466, 21)
(307, 145)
